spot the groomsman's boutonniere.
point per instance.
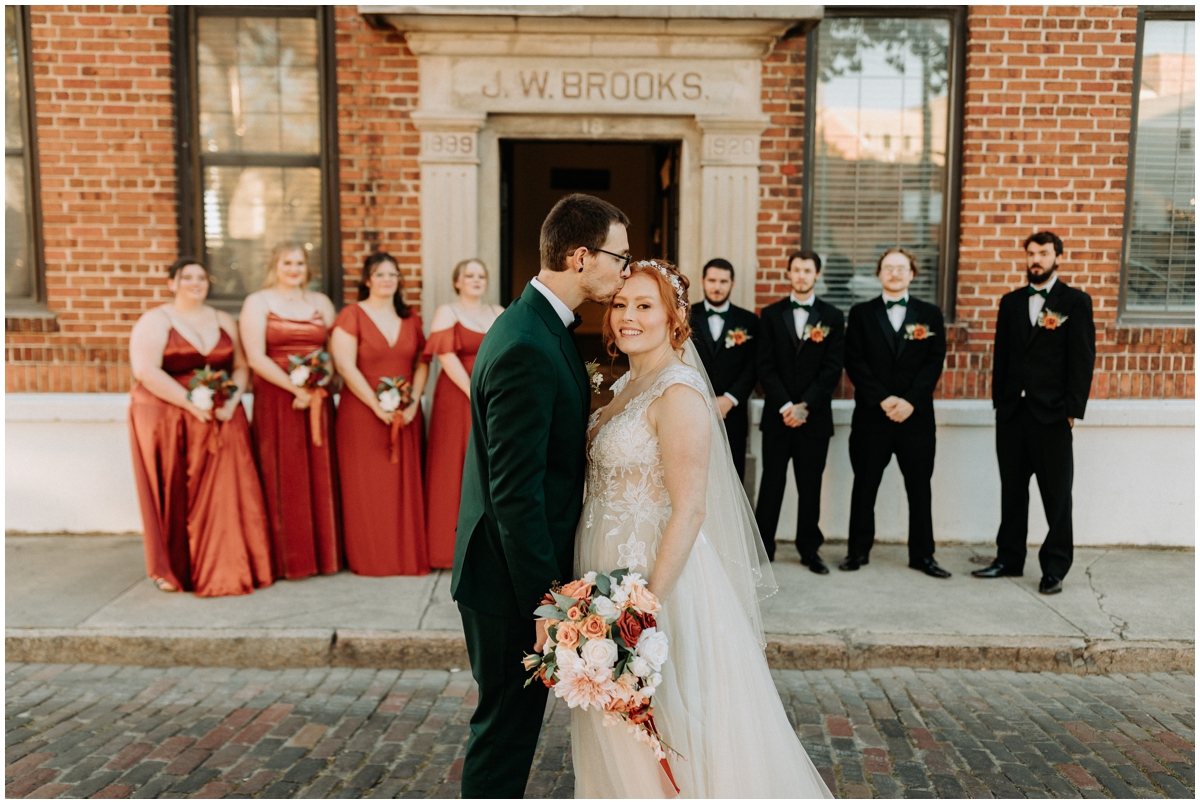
(595, 377)
(1048, 319)
(917, 332)
(815, 333)
(736, 337)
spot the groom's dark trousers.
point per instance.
(521, 499)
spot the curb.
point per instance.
(273, 649)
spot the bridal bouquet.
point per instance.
(313, 372)
(605, 651)
(394, 394)
(208, 389)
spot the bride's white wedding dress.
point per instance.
(717, 704)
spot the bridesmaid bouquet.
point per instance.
(394, 393)
(210, 389)
(605, 652)
(313, 372)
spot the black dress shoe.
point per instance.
(929, 567)
(854, 562)
(815, 564)
(998, 570)
(1050, 585)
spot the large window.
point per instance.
(258, 124)
(22, 247)
(882, 147)
(1160, 213)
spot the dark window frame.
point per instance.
(948, 245)
(34, 305)
(1143, 317)
(185, 69)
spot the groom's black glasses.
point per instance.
(624, 258)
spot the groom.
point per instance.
(522, 490)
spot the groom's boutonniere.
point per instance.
(815, 333)
(918, 332)
(736, 337)
(1048, 319)
(595, 377)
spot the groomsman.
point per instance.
(1042, 366)
(799, 364)
(895, 348)
(725, 337)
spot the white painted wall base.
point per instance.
(68, 469)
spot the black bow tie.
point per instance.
(798, 306)
(1044, 292)
(719, 313)
(897, 302)
(574, 325)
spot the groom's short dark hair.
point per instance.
(576, 220)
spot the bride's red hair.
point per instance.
(676, 303)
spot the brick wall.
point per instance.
(377, 151)
(102, 87)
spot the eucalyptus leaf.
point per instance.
(548, 612)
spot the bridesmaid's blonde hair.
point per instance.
(286, 247)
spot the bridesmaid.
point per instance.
(295, 453)
(203, 520)
(458, 329)
(383, 504)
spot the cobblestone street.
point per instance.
(111, 732)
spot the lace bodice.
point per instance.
(627, 503)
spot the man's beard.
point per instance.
(1042, 278)
(715, 302)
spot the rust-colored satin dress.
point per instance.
(203, 520)
(298, 476)
(449, 428)
(383, 503)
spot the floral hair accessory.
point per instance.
(680, 298)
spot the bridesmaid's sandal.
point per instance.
(164, 585)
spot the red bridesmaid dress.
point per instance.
(383, 506)
(298, 479)
(449, 428)
(203, 520)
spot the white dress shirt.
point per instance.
(896, 314)
(564, 312)
(1036, 302)
(715, 325)
(800, 316)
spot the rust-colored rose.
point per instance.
(641, 715)
(576, 589)
(567, 635)
(649, 621)
(593, 627)
(1050, 322)
(545, 679)
(816, 335)
(920, 333)
(630, 627)
(575, 614)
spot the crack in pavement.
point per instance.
(1119, 625)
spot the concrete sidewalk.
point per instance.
(86, 599)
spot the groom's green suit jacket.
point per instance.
(523, 478)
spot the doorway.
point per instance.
(640, 178)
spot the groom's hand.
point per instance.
(542, 636)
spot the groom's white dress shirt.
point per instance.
(715, 325)
(564, 312)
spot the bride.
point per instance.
(663, 500)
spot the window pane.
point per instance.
(879, 150)
(247, 211)
(259, 89)
(18, 280)
(12, 80)
(1161, 267)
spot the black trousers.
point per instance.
(807, 451)
(508, 718)
(874, 439)
(1024, 447)
(737, 427)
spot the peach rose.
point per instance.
(593, 627)
(642, 599)
(1050, 322)
(576, 589)
(568, 635)
(575, 614)
(919, 332)
(816, 335)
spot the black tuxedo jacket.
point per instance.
(882, 362)
(795, 370)
(731, 369)
(1052, 367)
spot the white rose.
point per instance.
(202, 397)
(640, 667)
(299, 376)
(389, 400)
(604, 606)
(631, 580)
(654, 680)
(600, 652)
(648, 691)
(620, 597)
(566, 658)
(652, 646)
(589, 577)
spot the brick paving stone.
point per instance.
(108, 731)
